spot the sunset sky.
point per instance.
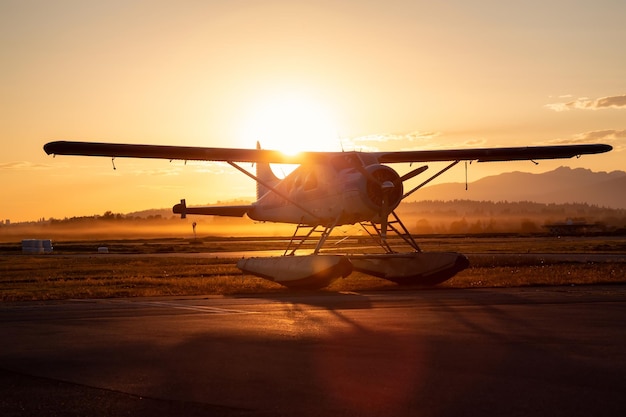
(320, 75)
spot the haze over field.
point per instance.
(321, 75)
(495, 204)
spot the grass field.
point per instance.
(76, 270)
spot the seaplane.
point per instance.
(328, 190)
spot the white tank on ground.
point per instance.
(36, 246)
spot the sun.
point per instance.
(291, 123)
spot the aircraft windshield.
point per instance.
(345, 161)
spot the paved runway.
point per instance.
(533, 351)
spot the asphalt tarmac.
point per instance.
(552, 351)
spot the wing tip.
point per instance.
(50, 147)
(605, 148)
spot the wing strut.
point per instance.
(273, 189)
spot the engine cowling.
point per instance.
(383, 187)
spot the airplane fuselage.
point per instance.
(331, 191)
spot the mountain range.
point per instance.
(563, 185)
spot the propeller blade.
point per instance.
(413, 173)
(369, 175)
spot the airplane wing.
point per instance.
(191, 153)
(185, 153)
(493, 154)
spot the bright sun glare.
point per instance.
(291, 123)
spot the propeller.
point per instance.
(387, 187)
(386, 192)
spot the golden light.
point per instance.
(291, 123)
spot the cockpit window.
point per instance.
(345, 161)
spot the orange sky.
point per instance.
(364, 74)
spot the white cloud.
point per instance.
(585, 103)
(474, 143)
(23, 166)
(615, 138)
(373, 143)
(165, 172)
(598, 135)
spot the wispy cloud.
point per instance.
(584, 103)
(597, 135)
(474, 143)
(165, 172)
(372, 143)
(206, 167)
(23, 166)
(615, 138)
(174, 169)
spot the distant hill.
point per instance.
(563, 185)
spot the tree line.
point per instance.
(421, 217)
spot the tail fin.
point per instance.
(265, 174)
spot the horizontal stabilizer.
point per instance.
(231, 211)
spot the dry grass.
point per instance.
(551, 274)
(26, 277)
(72, 273)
